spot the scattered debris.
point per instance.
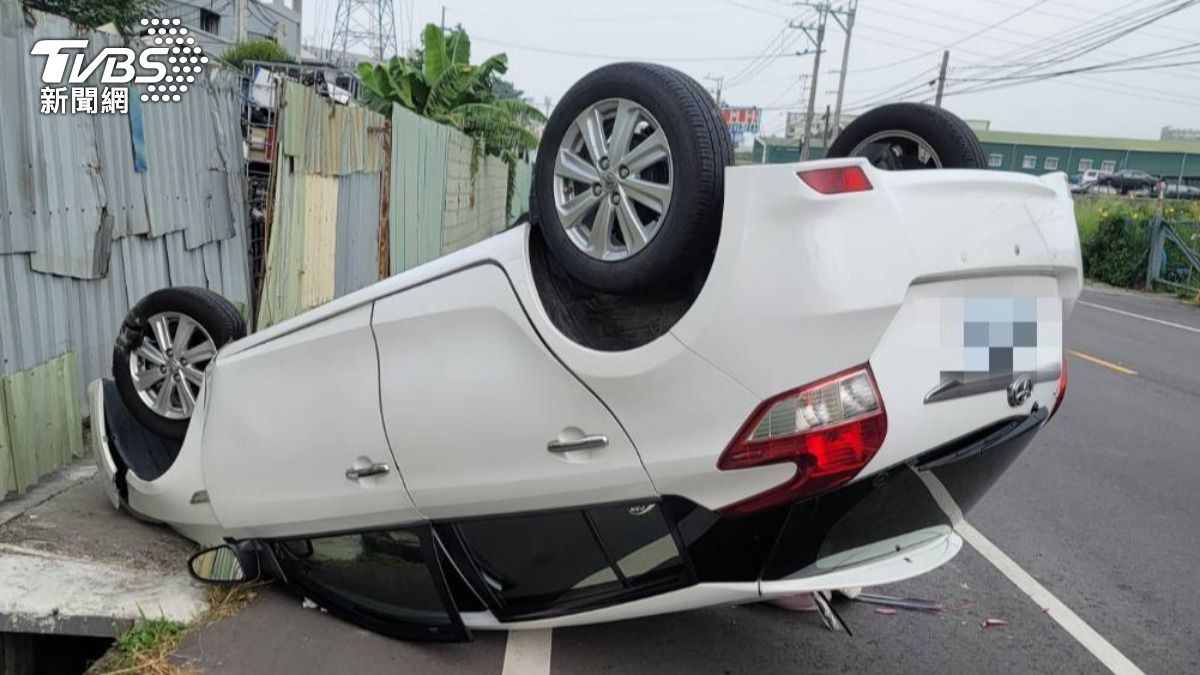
(902, 603)
(886, 611)
(829, 615)
(308, 604)
(993, 623)
(850, 592)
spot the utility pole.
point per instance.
(443, 19)
(240, 35)
(942, 78)
(818, 44)
(718, 81)
(825, 135)
(848, 27)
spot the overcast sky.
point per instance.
(896, 49)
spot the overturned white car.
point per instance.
(684, 384)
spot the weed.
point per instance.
(144, 649)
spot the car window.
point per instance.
(638, 540)
(535, 561)
(381, 574)
(571, 560)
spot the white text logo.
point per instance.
(167, 66)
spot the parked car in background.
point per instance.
(1086, 181)
(1129, 180)
(1181, 191)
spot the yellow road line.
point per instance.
(1101, 362)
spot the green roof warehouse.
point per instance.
(1043, 153)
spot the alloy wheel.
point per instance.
(168, 367)
(897, 150)
(613, 179)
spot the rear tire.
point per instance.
(166, 343)
(906, 136)
(630, 179)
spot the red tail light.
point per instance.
(837, 180)
(829, 429)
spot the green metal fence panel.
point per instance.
(329, 139)
(280, 296)
(418, 189)
(8, 476)
(42, 423)
(522, 182)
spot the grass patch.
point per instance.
(144, 649)
(147, 647)
(225, 601)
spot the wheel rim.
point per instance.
(168, 367)
(613, 179)
(897, 150)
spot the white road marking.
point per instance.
(527, 652)
(1102, 649)
(1143, 317)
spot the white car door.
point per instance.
(481, 416)
(293, 438)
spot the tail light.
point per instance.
(829, 429)
(837, 180)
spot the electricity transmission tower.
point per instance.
(364, 23)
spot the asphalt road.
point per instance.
(1102, 510)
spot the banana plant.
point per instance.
(444, 86)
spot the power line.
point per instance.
(1059, 52)
(977, 33)
(752, 8)
(1110, 66)
(1108, 36)
(613, 57)
(777, 39)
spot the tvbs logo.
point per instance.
(169, 64)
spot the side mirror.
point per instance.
(224, 564)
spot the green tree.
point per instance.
(256, 49)
(444, 86)
(505, 89)
(124, 14)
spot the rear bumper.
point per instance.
(876, 525)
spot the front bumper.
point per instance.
(101, 451)
(139, 471)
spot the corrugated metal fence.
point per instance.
(327, 213)
(84, 234)
(324, 232)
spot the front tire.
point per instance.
(630, 179)
(166, 343)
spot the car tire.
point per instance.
(194, 323)
(644, 148)
(905, 136)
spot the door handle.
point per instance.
(590, 442)
(367, 472)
